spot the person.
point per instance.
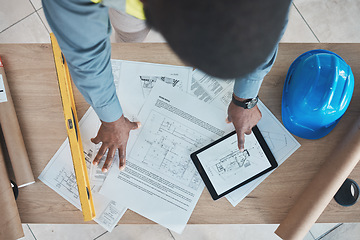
(223, 38)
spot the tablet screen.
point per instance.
(225, 168)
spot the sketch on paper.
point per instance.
(165, 145)
(148, 82)
(67, 180)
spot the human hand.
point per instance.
(114, 136)
(243, 119)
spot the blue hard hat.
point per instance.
(317, 91)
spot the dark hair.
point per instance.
(224, 38)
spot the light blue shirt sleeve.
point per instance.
(83, 30)
(249, 85)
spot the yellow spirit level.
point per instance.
(73, 131)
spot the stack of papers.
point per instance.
(180, 111)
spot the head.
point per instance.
(224, 38)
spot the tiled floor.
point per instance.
(23, 21)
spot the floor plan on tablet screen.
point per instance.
(227, 167)
(231, 163)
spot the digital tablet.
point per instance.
(224, 168)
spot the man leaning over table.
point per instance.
(223, 38)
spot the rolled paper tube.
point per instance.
(12, 134)
(322, 188)
(10, 223)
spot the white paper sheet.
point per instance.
(136, 79)
(212, 90)
(281, 143)
(160, 181)
(59, 175)
(134, 82)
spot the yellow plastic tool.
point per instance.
(73, 131)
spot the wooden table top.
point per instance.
(32, 79)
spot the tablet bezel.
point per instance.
(205, 177)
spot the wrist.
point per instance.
(122, 118)
(246, 103)
(240, 99)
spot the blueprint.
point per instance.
(281, 143)
(159, 168)
(135, 80)
(59, 175)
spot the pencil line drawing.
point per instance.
(148, 82)
(165, 145)
(67, 180)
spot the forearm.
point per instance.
(82, 29)
(248, 86)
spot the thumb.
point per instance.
(132, 125)
(228, 119)
(95, 140)
(135, 125)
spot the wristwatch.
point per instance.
(247, 104)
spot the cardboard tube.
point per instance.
(12, 134)
(10, 223)
(322, 188)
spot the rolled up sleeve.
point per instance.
(249, 86)
(82, 29)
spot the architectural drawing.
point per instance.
(229, 165)
(165, 146)
(59, 175)
(147, 82)
(67, 180)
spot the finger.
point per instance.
(109, 159)
(248, 132)
(228, 119)
(95, 140)
(99, 155)
(122, 157)
(241, 141)
(134, 125)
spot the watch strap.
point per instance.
(243, 104)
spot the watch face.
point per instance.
(251, 103)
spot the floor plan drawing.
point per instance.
(166, 146)
(232, 162)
